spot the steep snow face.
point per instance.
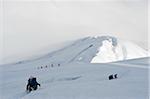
(123, 50)
(106, 53)
(98, 49)
(75, 77)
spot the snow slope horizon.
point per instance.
(39, 53)
(98, 49)
(68, 73)
(78, 81)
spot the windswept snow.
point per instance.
(77, 81)
(123, 50)
(68, 74)
(100, 49)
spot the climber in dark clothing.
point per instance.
(116, 76)
(32, 84)
(111, 77)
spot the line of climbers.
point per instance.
(46, 66)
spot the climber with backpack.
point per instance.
(32, 84)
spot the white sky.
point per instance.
(28, 26)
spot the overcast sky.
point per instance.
(28, 26)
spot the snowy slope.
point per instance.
(123, 50)
(77, 81)
(93, 49)
(76, 77)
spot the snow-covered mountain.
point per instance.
(100, 49)
(114, 49)
(69, 74)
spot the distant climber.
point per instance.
(115, 76)
(52, 65)
(46, 66)
(32, 84)
(111, 77)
